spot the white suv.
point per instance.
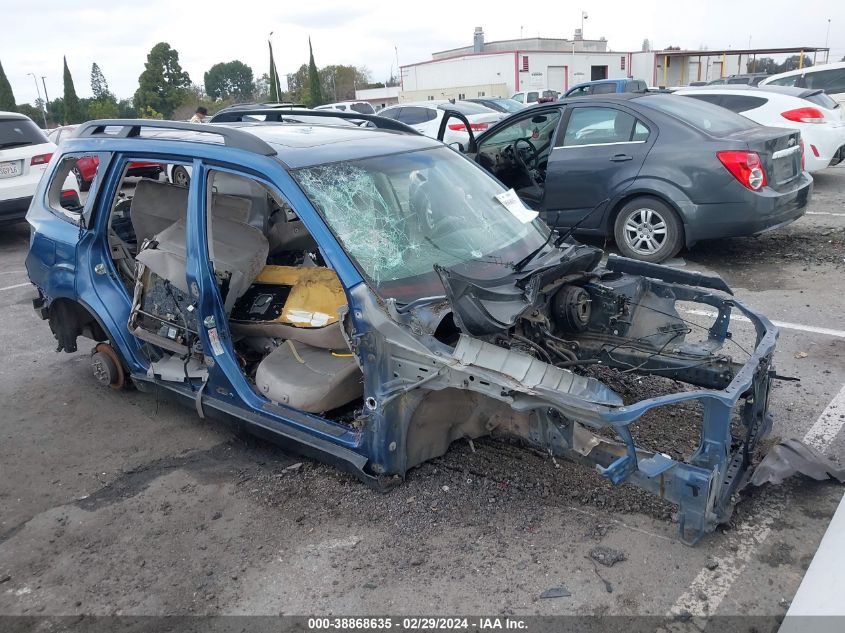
(24, 154)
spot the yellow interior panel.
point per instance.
(315, 296)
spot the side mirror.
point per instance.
(457, 146)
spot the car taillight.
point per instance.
(804, 115)
(67, 193)
(475, 127)
(815, 151)
(41, 159)
(746, 168)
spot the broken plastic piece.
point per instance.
(794, 456)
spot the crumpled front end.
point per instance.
(516, 356)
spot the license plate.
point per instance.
(10, 169)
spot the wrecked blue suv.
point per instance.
(368, 295)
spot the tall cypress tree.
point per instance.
(71, 101)
(274, 77)
(7, 97)
(314, 91)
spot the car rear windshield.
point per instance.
(821, 99)
(510, 105)
(706, 117)
(465, 107)
(19, 132)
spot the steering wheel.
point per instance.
(527, 166)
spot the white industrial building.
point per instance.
(499, 69)
(502, 68)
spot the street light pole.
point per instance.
(826, 39)
(584, 16)
(38, 91)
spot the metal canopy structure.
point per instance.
(750, 55)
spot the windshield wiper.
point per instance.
(522, 263)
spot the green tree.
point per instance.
(273, 78)
(7, 97)
(126, 109)
(99, 85)
(315, 95)
(229, 79)
(102, 109)
(31, 111)
(163, 85)
(72, 111)
(339, 83)
(762, 65)
(791, 63)
(299, 85)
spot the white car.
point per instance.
(24, 155)
(362, 107)
(528, 97)
(827, 77)
(425, 117)
(818, 117)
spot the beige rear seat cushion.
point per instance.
(155, 206)
(308, 378)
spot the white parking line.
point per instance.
(15, 286)
(709, 587)
(786, 325)
(12, 272)
(824, 213)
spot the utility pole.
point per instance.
(46, 98)
(38, 90)
(584, 16)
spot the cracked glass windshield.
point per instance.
(399, 215)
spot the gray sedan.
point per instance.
(655, 172)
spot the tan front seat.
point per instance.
(309, 378)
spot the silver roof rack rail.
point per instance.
(287, 115)
(130, 128)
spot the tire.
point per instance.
(649, 230)
(179, 176)
(80, 181)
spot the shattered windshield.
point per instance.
(399, 215)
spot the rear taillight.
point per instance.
(815, 151)
(41, 159)
(67, 193)
(746, 168)
(475, 127)
(804, 115)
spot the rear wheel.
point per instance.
(179, 176)
(648, 230)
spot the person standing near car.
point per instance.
(199, 115)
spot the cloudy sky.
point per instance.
(118, 34)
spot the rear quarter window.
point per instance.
(16, 132)
(704, 117)
(742, 103)
(831, 81)
(604, 89)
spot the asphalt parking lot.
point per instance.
(124, 503)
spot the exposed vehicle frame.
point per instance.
(464, 363)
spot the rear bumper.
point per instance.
(757, 213)
(14, 209)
